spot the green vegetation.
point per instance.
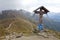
(21, 25)
(3, 25)
(18, 25)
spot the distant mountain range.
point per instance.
(51, 20)
(54, 16)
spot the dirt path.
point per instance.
(35, 38)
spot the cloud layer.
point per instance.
(30, 5)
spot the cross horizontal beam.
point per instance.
(43, 9)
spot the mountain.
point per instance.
(21, 21)
(54, 16)
(51, 20)
(13, 21)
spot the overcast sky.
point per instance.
(30, 5)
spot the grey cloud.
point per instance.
(17, 4)
(9, 4)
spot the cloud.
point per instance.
(30, 5)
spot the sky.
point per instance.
(30, 5)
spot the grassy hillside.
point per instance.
(54, 33)
(3, 25)
(21, 25)
(13, 21)
(17, 25)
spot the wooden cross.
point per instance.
(41, 10)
